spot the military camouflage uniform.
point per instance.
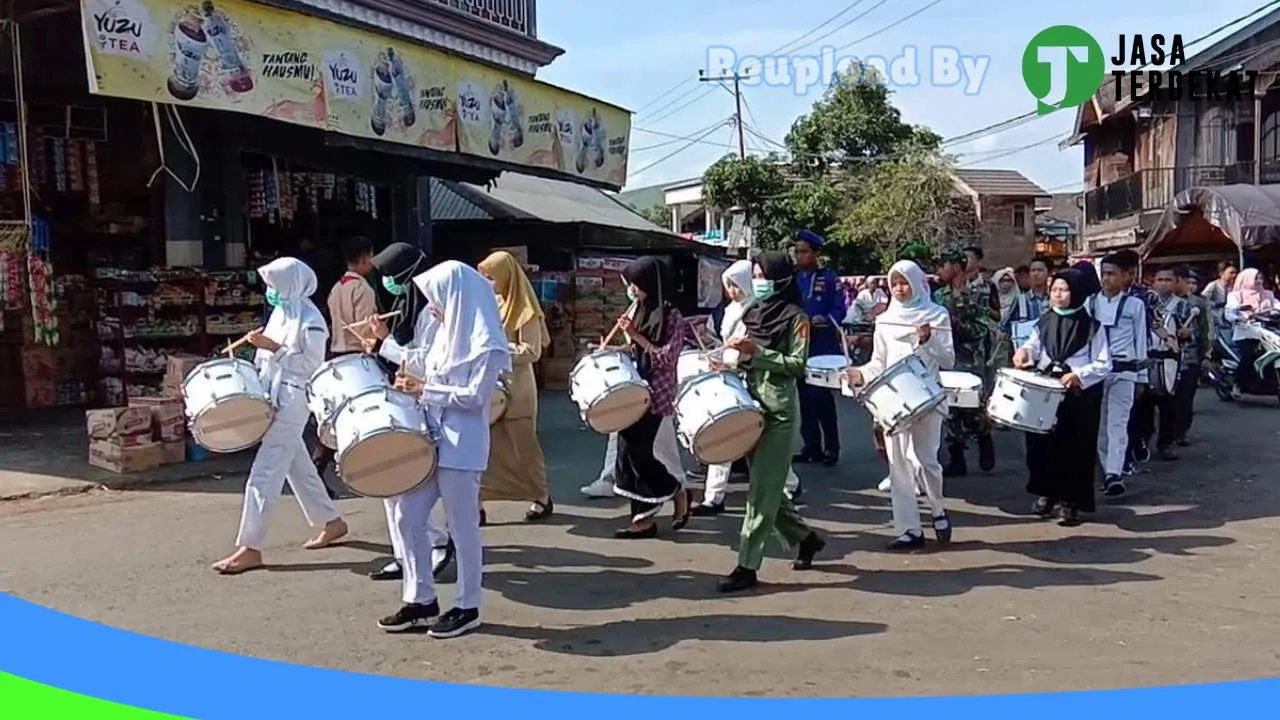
(973, 332)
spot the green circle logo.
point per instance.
(1063, 66)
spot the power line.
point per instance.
(1014, 151)
(678, 138)
(890, 26)
(675, 152)
(843, 25)
(820, 25)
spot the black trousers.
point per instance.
(1184, 400)
(819, 421)
(1143, 421)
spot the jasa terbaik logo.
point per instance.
(1064, 66)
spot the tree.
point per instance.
(658, 214)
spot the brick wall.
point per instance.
(1004, 244)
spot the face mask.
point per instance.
(1065, 311)
(631, 293)
(392, 286)
(273, 298)
(761, 288)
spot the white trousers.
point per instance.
(913, 453)
(1113, 431)
(718, 483)
(460, 490)
(665, 448)
(282, 457)
(439, 536)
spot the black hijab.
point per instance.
(652, 277)
(1062, 336)
(401, 261)
(769, 321)
(1089, 273)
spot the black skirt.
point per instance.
(1061, 464)
(640, 476)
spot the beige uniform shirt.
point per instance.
(351, 300)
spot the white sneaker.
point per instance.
(885, 485)
(601, 488)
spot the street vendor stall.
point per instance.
(1205, 224)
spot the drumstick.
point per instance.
(362, 323)
(231, 346)
(617, 324)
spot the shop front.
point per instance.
(154, 152)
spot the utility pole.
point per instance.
(737, 102)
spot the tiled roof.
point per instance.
(999, 182)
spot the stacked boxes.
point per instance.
(168, 426)
(120, 440)
(176, 371)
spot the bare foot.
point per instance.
(333, 532)
(242, 560)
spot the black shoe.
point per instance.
(705, 509)
(484, 518)
(449, 552)
(806, 458)
(1044, 507)
(942, 528)
(1141, 452)
(410, 616)
(1113, 486)
(737, 581)
(628, 533)
(986, 453)
(1183, 442)
(1166, 454)
(811, 545)
(1070, 516)
(454, 623)
(390, 571)
(907, 542)
(830, 459)
(540, 511)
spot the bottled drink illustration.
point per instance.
(400, 81)
(598, 135)
(189, 43)
(224, 42)
(383, 90)
(497, 116)
(586, 142)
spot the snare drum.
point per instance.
(330, 386)
(964, 390)
(227, 404)
(826, 371)
(717, 419)
(608, 390)
(903, 394)
(386, 443)
(691, 364)
(500, 401)
(1025, 401)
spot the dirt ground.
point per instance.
(1175, 584)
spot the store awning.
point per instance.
(522, 197)
(1232, 217)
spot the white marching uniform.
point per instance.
(414, 353)
(1124, 322)
(460, 369)
(303, 336)
(731, 328)
(913, 453)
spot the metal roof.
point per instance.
(999, 182)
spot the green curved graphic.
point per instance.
(26, 700)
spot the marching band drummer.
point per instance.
(410, 334)
(459, 375)
(913, 321)
(737, 287)
(656, 333)
(517, 470)
(1066, 344)
(773, 352)
(289, 349)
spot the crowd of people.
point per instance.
(457, 330)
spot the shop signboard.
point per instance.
(245, 57)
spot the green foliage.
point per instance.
(856, 173)
(658, 214)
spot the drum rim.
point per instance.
(884, 377)
(808, 364)
(640, 383)
(1046, 383)
(691, 441)
(195, 419)
(688, 382)
(216, 361)
(596, 353)
(435, 466)
(910, 420)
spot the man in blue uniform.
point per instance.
(824, 304)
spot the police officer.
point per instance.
(825, 304)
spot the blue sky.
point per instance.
(629, 53)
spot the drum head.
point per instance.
(232, 425)
(618, 409)
(728, 438)
(828, 362)
(1023, 377)
(388, 464)
(956, 380)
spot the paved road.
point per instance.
(1177, 584)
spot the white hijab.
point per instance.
(738, 275)
(920, 309)
(472, 325)
(295, 283)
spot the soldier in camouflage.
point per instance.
(975, 312)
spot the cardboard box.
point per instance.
(109, 456)
(168, 421)
(173, 452)
(110, 422)
(128, 441)
(176, 371)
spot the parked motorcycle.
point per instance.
(1266, 377)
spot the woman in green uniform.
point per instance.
(773, 355)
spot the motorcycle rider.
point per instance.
(1248, 298)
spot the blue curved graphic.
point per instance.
(90, 659)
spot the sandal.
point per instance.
(330, 535)
(540, 511)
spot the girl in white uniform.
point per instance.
(737, 285)
(289, 349)
(913, 323)
(460, 373)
